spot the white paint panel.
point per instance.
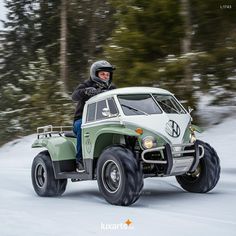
(157, 123)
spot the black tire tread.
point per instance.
(54, 187)
(133, 175)
(211, 173)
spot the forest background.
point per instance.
(47, 47)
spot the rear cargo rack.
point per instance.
(49, 131)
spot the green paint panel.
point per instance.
(60, 148)
(96, 138)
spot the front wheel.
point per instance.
(43, 179)
(206, 175)
(119, 176)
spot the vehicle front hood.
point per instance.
(171, 127)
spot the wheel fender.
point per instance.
(117, 130)
(103, 138)
(59, 148)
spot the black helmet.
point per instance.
(101, 66)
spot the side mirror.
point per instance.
(106, 112)
(190, 109)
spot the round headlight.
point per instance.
(148, 142)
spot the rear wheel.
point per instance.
(119, 176)
(206, 175)
(43, 179)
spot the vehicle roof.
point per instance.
(128, 90)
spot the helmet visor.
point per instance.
(108, 69)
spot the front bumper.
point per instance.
(175, 159)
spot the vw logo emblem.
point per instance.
(172, 129)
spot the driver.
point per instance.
(100, 80)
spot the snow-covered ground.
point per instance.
(163, 208)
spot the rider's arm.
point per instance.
(79, 93)
(84, 92)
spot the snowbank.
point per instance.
(163, 209)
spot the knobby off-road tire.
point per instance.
(207, 174)
(43, 179)
(119, 176)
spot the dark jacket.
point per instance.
(81, 97)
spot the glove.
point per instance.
(91, 91)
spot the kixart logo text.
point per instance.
(127, 225)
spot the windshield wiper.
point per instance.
(178, 112)
(134, 109)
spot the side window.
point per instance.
(91, 112)
(100, 106)
(112, 106)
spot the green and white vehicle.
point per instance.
(128, 134)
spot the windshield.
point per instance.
(138, 104)
(169, 104)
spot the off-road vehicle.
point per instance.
(128, 134)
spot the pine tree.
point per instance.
(30, 89)
(90, 24)
(215, 46)
(63, 45)
(18, 44)
(17, 49)
(45, 101)
(145, 45)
